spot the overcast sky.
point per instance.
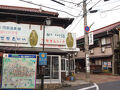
(108, 12)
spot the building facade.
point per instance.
(23, 35)
(103, 52)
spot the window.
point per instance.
(103, 41)
(108, 40)
(71, 64)
(98, 62)
(96, 43)
(92, 62)
(47, 68)
(55, 68)
(67, 65)
(63, 64)
(51, 69)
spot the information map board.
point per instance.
(19, 71)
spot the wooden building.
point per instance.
(103, 56)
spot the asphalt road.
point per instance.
(110, 86)
(104, 86)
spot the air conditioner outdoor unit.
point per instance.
(91, 51)
(103, 49)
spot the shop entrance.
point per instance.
(52, 69)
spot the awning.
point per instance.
(31, 49)
(36, 49)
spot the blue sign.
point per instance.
(42, 59)
(87, 29)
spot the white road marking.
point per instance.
(97, 88)
(94, 86)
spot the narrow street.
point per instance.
(98, 82)
(114, 85)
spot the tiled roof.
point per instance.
(27, 9)
(103, 29)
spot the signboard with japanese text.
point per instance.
(27, 35)
(91, 40)
(19, 71)
(42, 59)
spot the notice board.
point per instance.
(19, 71)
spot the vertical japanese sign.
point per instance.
(19, 71)
(42, 59)
(91, 41)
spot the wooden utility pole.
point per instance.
(86, 45)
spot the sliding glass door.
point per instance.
(53, 68)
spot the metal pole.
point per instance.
(42, 67)
(69, 63)
(86, 45)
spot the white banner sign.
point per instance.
(26, 35)
(91, 41)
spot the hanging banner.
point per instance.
(19, 71)
(91, 40)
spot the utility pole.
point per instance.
(86, 45)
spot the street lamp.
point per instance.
(46, 22)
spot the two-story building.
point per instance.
(103, 53)
(24, 34)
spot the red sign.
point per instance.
(87, 29)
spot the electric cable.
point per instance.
(89, 2)
(68, 2)
(110, 10)
(108, 3)
(64, 5)
(49, 8)
(76, 4)
(94, 5)
(76, 24)
(72, 23)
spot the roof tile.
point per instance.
(27, 9)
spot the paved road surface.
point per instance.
(114, 85)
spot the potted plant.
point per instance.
(72, 77)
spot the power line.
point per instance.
(76, 24)
(108, 3)
(76, 4)
(116, 6)
(58, 2)
(89, 1)
(72, 23)
(49, 8)
(94, 4)
(64, 5)
(68, 2)
(110, 10)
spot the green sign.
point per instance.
(19, 71)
